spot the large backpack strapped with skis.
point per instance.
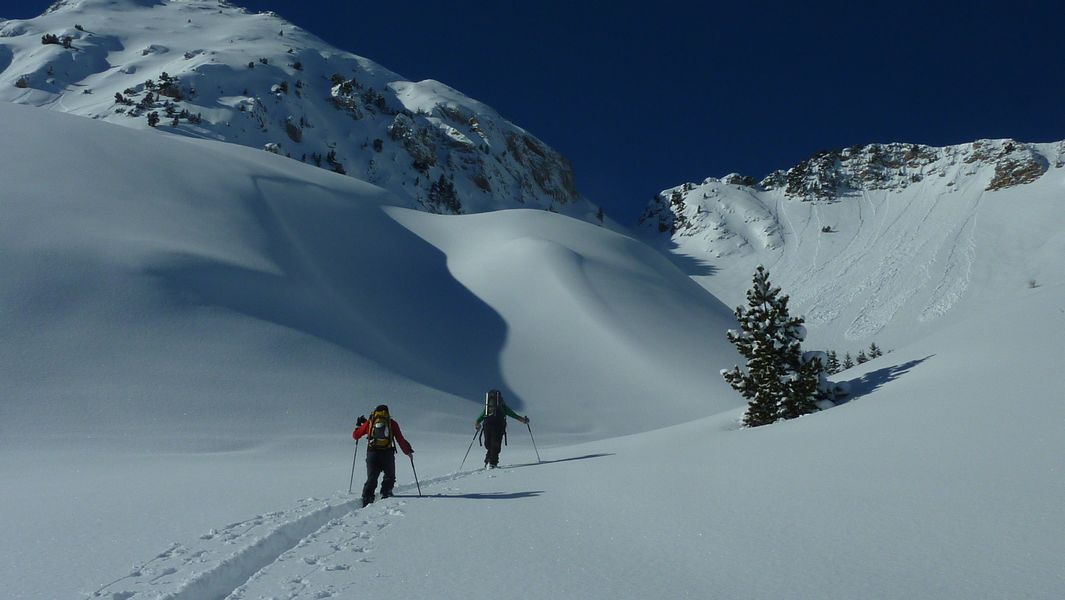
(495, 411)
(380, 436)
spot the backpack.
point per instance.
(379, 436)
(495, 411)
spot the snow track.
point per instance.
(889, 256)
(323, 537)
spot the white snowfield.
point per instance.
(883, 264)
(190, 329)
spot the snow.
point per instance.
(190, 329)
(186, 354)
(259, 81)
(902, 259)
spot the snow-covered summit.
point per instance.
(877, 241)
(205, 68)
(834, 175)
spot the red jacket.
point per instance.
(365, 429)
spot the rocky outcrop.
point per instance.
(834, 175)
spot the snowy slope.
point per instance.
(259, 81)
(881, 242)
(164, 297)
(209, 282)
(940, 480)
(190, 327)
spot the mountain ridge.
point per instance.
(210, 69)
(875, 241)
(832, 175)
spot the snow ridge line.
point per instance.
(220, 581)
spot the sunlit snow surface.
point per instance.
(190, 329)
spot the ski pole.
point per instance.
(411, 457)
(352, 482)
(534, 442)
(468, 449)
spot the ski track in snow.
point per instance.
(932, 260)
(323, 538)
(957, 273)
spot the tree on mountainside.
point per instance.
(874, 351)
(777, 383)
(443, 198)
(833, 363)
(848, 362)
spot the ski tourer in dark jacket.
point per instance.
(382, 435)
(494, 421)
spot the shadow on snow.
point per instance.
(873, 380)
(547, 462)
(418, 320)
(478, 496)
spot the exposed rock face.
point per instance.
(832, 174)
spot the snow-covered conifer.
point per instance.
(833, 363)
(777, 383)
(848, 362)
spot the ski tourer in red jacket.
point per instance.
(382, 434)
(362, 430)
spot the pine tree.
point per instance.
(862, 358)
(833, 363)
(848, 362)
(874, 351)
(777, 384)
(442, 196)
(801, 387)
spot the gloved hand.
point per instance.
(526, 420)
(360, 421)
(476, 425)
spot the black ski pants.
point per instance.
(377, 462)
(493, 443)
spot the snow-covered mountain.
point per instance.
(188, 329)
(267, 280)
(204, 68)
(877, 243)
(171, 296)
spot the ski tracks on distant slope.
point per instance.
(321, 537)
(957, 273)
(904, 268)
(788, 229)
(827, 296)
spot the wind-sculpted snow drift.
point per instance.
(146, 274)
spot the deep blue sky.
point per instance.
(644, 96)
